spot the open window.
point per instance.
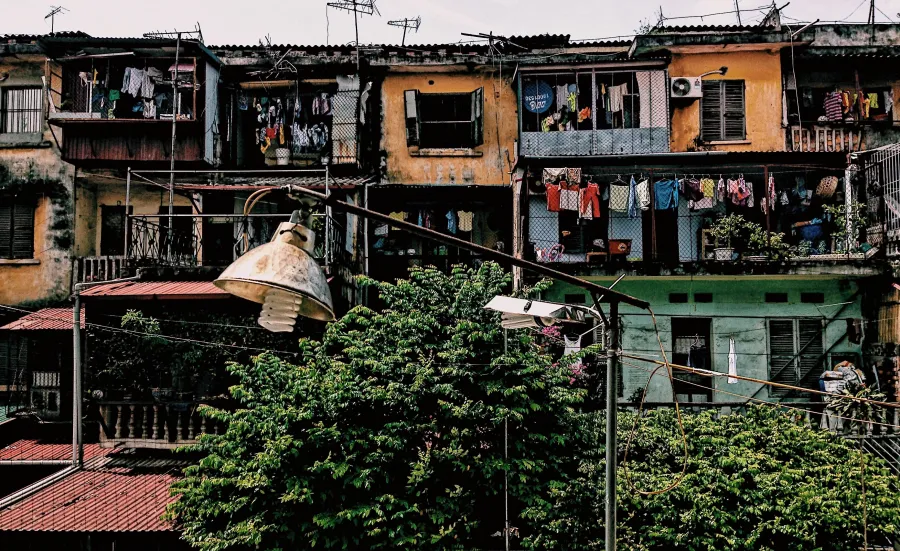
(444, 120)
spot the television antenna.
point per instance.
(357, 8)
(54, 11)
(406, 24)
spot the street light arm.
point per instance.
(608, 294)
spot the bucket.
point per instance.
(282, 156)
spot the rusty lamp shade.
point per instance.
(283, 276)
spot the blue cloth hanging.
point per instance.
(666, 192)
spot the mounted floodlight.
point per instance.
(284, 277)
(519, 313)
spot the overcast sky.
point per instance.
(304, 21)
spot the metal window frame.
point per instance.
(26, 113)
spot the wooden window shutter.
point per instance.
(23, 229)
(711, 124)
(6, 235)
(477, 117)
(733, 117)
(411, 103)
(811, 343)
(782, 350)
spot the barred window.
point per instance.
(20, 110)
(444, 120)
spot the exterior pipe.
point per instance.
(36, 487)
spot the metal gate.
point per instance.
(881, 173)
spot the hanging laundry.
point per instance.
(584, 114)
(702, 204)
(618, 197)
(573, 175)
(834, 104)
(708, 187)
(572, 346)
(465, 220)
(873, 100)
(553, 192)
(451, 222)
(643, 194)
(693, 189)
(732, 362)
(633, 206)
(888, 101)
(590, 202)
(666, 192)
(398, 216)
(148, 83)
(381, 230)
(568, 196)
(721, 190)
(616, 97)
(767, 204)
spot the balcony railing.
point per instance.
(97, 268)
(153, 424)
(217, 240)
(825, 138)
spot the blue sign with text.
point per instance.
(537, 96)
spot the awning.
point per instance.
(147, 290)
(46, 319)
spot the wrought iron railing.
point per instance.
(152, 241)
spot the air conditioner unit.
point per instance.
(686, 87)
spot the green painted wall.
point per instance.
(738, 309)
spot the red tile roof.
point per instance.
(106, 496)
(157, 289)
(45, 319)
(43, 450)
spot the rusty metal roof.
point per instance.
(46, 319)
(157, 289)
(31, 449)
(111, 494)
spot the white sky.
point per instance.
(304, 21)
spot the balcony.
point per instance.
(218, 240)
(98, 268)
(594, 113)
(821, 137)
(158, 425)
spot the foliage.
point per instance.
(770, 244)
(838, 216)
(755, 481)
(169, 354)
(389, 433)
(31, 181)
(860, 413)
(729, 228)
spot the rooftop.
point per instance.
(157, 289)
(46, 319)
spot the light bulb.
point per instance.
(279, 311)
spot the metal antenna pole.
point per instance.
(175, 108)
(737, 10)
(612, 361)
(407, 24)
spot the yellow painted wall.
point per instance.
(500, 124)
(761, 72)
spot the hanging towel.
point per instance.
(666, 194)
(732, 362)
(633, 207)
(552, 197)
(618, 198)
(568, 196)
(643, 194)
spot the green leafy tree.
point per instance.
(389, 433)
(754, 481)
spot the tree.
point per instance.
(389, 432)
(754, 481)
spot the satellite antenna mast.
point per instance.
(54, 11)
(406, 24)
(357, 8)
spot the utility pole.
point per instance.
(406, 24)
(612, 379)
(737, 11)
(871, 12)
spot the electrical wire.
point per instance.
(637, 417)
(854, 10)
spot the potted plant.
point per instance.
(726, 231)
(765, 245)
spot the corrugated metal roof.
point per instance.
(312, 182)
(46, 319)
(160, 289)
(710, 28)
(43, 450)
(108, 495)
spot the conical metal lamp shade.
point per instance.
(283, 264)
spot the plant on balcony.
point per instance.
(730, 232)
(766, 244)
(838, 217)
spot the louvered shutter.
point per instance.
(782, 348)
(6, 236)
(23, 229)
(733, 119)
(711, 112)
(411, 104)
(810, 341)
(477, 117)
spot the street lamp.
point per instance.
(520, 313)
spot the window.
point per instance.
(703, 297)
(16, 227)
(776, 297)
(678, 298)
(722, 111)
(795, 352)
(444, 120)
(13, 361)
(20, 110)
(812, 298)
